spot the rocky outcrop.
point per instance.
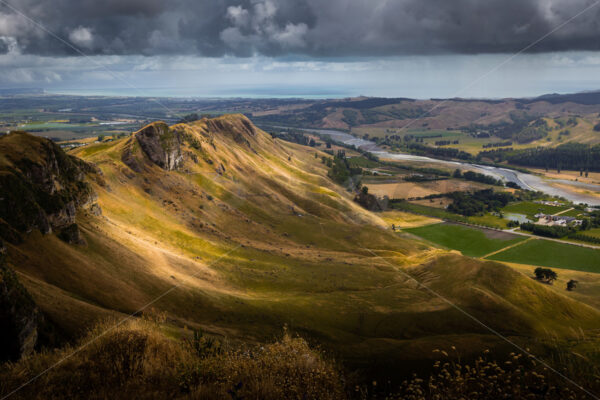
(41, 187)
(19, 317)
(236, 125)
(162, 145)
(72, 235)
(371, 202)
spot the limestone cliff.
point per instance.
(161, 144)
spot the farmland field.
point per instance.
(552, 254)
(489, 220)
(436, 210)
(407, 220)
(406, 190)
(530, 209)
(51, 125)
(470, 241)
(572, 213)
(426, 210)
(593, 232)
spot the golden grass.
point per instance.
(146, 359)
(407, 220)
(518, 376)
(587, 290)
(576, 189)
(440, 203)
(593, 177)
(137, 360)
(406, 190)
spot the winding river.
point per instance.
(526, 181)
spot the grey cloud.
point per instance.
(3, 47)
(328, 28)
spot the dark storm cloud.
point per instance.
(302, 27)
(3, 47)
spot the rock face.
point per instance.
(72, 235)
(162, 145)
(20, 318)
(236, 125)
(41, 187)
(370, 202)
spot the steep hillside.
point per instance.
(255, 236)
(42, 187)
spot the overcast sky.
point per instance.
(323, 48)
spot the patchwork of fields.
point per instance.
(470, 241)
(507, 247)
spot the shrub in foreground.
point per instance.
(518, 377)
(136, 360)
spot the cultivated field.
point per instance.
(407, 190)
(552, 254)
(529, 209)
(470, 241)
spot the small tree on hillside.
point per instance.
(539, 273)
(545, 275)
(572, 284)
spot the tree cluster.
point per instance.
(479, 202)
(547, 231)
(342, 172)
(545, 275)
(571, 156)
(477, 177)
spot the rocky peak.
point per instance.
(162, 145)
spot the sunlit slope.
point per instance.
(256, 236)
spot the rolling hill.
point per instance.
(255, 237)
(470, 125)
